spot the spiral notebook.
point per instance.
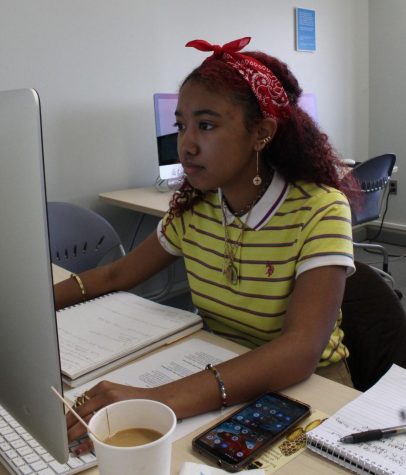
(101, 334)
(379, 407)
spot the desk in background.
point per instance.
(149, 201)
(144, 200)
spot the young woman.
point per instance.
(264, 227)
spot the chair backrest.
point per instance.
(79, 237)
(374, 325)
(373, 176)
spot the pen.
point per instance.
(374, 434)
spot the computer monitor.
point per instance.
(29, 355)
(166, 136)
(166, 133)
(307, 101)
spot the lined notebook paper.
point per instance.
(104, 333)
(377, 408)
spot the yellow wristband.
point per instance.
(81, 286)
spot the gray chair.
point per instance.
(79, 237)
(373, 176)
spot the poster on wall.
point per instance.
(305, 29)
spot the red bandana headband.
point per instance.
(266, 87)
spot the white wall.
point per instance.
(96, 64)
(388, 94)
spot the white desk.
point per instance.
(59, 274)
(319, 392)
(146, 200)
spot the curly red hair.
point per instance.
(298, 151)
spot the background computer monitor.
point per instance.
(29, 355)
(307, 101)
(166, 136)
(166, 133)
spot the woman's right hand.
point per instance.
(101, 395)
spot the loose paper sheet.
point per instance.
(168, 365)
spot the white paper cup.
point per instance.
(153, 458)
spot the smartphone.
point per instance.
(240, 438)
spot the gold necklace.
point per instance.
(231, 247)
(230, 269)
(250, 205)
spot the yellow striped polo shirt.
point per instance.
(294, 227)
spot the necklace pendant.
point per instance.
(231, 274)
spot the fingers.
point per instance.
(76, 429)
(101, 395)
(80, 400)
(83, 447)
(87, 404)
(83, 410)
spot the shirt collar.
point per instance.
(266, 207)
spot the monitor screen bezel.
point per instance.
(169, 166)
(29, 349)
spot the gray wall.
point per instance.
(96, 64)
(387, 79)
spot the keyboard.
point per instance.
(21, 454)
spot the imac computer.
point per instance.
(166, 133)
(166, 136)
(307, 101)
(29, 353)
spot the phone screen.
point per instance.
(237, 440)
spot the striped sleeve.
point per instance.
(168, 236)
(327, 235)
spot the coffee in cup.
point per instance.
(133, 437)
(127, 422)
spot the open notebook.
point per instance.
(102, 334)
(377, 408)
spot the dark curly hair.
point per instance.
(298, 151)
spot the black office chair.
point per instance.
(374, 325)
(79, 237)
(373, 176)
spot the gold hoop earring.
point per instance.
(257, 180)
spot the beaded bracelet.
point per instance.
(82, 287)
(220, 382)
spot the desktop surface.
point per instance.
(321, 393)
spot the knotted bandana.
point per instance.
(266, 87)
